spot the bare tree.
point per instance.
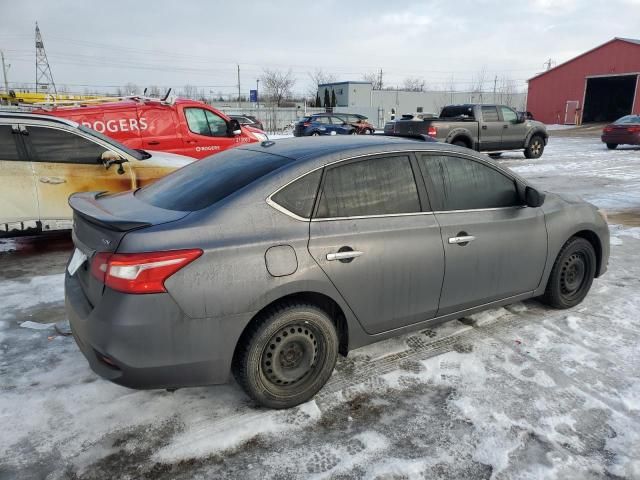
(478, 83)
(131, 89)
(507, 89)
(414, 84)
(318, 77)
(154, 91)
(277, 85)
(375, 79)
(189, 91)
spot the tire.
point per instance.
(535, 147)
(315, 134)
(460, 143)
(572, 274)
(495, 155)
(612, 146)
(305, 342)
(353, 132)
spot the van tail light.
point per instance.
(432, 131)
(140, 272)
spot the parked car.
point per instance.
(248, 121)
(323, 124)
(484, 128)
(45, 159)
(360, 122)
(624, 131)
(270, 259)
(182, 126)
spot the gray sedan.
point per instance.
(269, 260)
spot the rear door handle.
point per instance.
(461, 240)
(52, 180)
(484, 127)
(505, 126)
(346, 255)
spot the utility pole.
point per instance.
(238, 86)
(495, 84)
(549, 64)
(4, 73)
(44, 77)
(257, 91)
(380, 80)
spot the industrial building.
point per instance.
(600, 85)
(383, 105)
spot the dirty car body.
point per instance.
(259, 242)
(44, 159)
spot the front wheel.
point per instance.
(612, 146)
(286, 356)
(353, 132)
(535, 147)
(315, 134)
(572, 274)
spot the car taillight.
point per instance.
(432, 131)
(633, 129)
(306, 124)
(608, 129)
(140, 272)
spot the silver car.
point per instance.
(268, 260)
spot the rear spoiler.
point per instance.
(86, 205)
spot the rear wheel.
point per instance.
(495, 155)
(460, 143)
(286, 357)
(612, 146)
(572, 274)
(535, 147)
(353, 132)
(315, 134)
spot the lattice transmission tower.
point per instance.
(44, 77)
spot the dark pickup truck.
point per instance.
(485, 128)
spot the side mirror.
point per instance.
(109, 158)
(521, 118)
(533, 197)
(234, 128)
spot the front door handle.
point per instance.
(344, 255)
(52, 180)
(461, 240)
(484, 127)
(153, 142)
(505, 126)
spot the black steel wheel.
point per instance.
(572, 274)
(535, 147)
(287, 355)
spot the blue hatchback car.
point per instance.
(323, 124)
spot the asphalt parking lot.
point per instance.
(517, 392)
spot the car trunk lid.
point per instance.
(101, 221)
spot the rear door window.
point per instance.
(376, 186)
(59, 146)
(8, 145)
(490, 114)
(323, 120)
(205, 182)
(464, 184)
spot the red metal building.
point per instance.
(598, 86)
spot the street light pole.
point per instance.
(257, 99)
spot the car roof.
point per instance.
(327, 148)
(6, 117)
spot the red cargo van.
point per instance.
(186, 127)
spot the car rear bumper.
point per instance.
(621, 138)
(146, 341)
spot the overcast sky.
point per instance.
(199, 42)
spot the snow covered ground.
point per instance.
(518, 392)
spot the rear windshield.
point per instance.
(205, 182)
(457, 111)
(628, 119)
